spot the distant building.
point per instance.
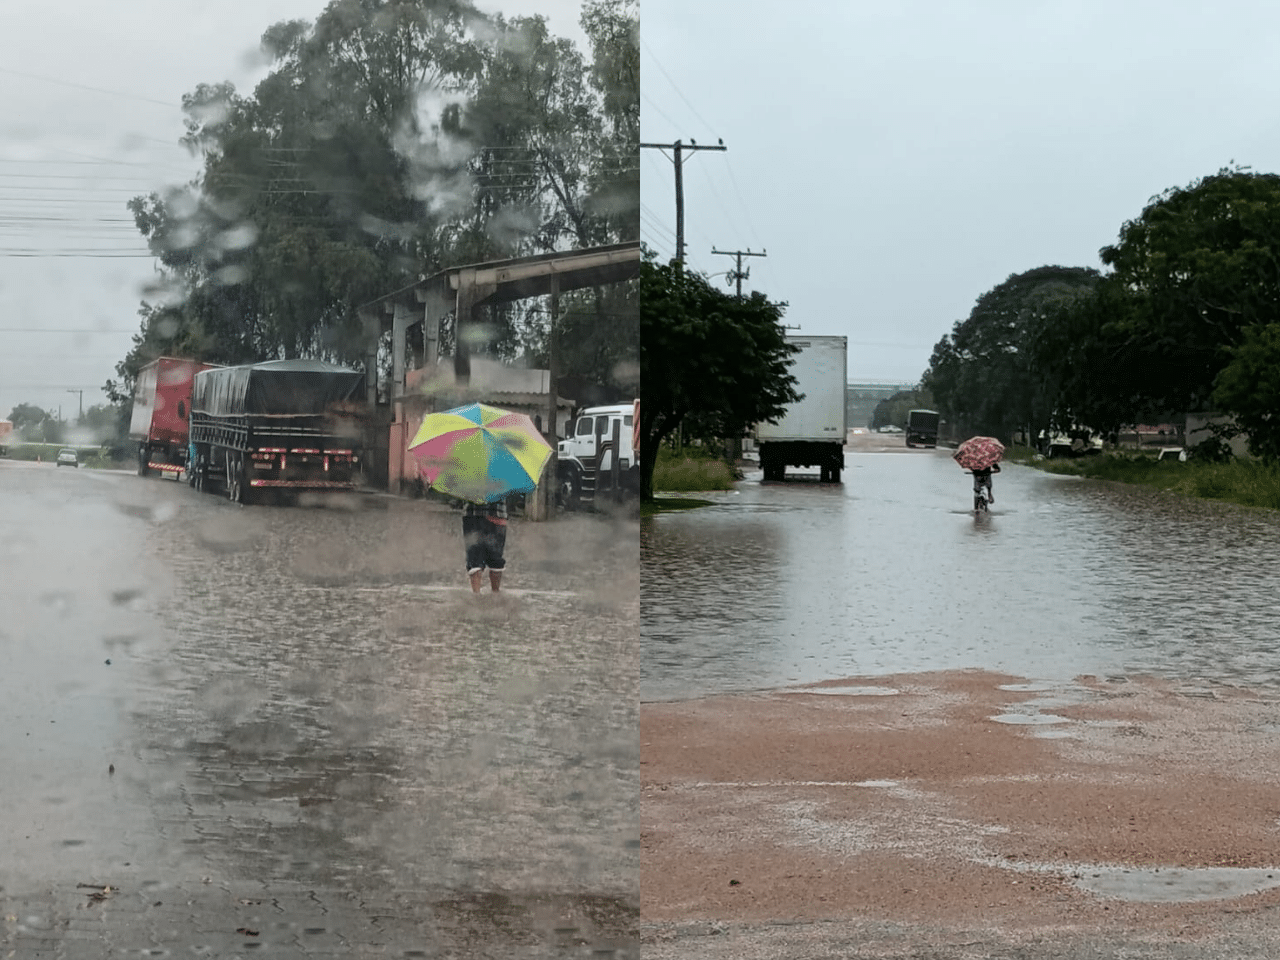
(519, 389)
(861, 398)
(1198, 431)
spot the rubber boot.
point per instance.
(495, 579)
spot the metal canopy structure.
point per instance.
(462, 289)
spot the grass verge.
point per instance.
(98, 458)
(1248, 483)
(688, 473)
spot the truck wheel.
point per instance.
(568, 489)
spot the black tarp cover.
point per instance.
(273, 389)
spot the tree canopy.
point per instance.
(1186, 318)
(983, 375)
(393, 139)
(709, 361)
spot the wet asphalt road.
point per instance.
(293, 732)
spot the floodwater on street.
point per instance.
(309, 701)
(889, 572)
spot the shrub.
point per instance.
(683, 473)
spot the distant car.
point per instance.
(890, 428)
(68, 456)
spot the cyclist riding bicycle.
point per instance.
(982, 478)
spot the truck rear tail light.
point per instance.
(337, 452)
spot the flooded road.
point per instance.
(297, 725)
(888, 573)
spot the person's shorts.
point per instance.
(485, 542)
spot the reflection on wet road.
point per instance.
(311, 699)
(798, 582)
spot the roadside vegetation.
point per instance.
(1181, 321)
(712, 365)
(690, 470)
(100, 458)
(1249, 483)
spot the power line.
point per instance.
(674, 86)
(82, 86)
(678, 161)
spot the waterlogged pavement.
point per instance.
(293, 732)
(800, 582)
(874, 725)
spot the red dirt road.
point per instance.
(900, 801)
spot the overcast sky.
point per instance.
(897, 160)
(90, 116)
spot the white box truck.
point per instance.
(812, 431)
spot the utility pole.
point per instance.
(738, 274)
(81, 392)
(678, 159)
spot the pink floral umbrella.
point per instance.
(979, 453)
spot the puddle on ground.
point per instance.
(1175, 884)
(1032, 719)
(1036, 686)
(850, 691)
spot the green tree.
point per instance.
(713, 362)
(392, 138)
(1199, 267)
(28, 419)
(103, 422)
(984, 375)
(1094, 373)
(1249, 388)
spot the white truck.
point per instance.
(598, 458)
(812, 431)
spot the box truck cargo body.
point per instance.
(811, 432)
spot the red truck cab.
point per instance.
(162, 413)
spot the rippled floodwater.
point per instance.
(791, 583)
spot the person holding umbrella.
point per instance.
(484, 534)
(981, 457)
(483, 456)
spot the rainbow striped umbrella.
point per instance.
(479, 453)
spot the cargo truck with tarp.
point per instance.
(283, 425)
(159, 424)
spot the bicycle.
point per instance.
(981, 490)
